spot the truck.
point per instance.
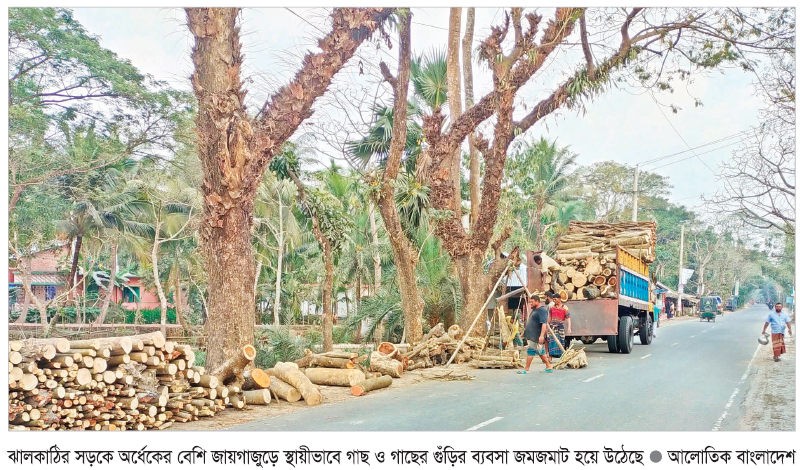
(617, 320)
(624, 310)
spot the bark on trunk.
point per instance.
(469, 101)
(235, 151)
(376, 261)
(405, 255)
(162, 298)
(74, 267)
(111, 284)
(26, 286)
(224, 137)
(277, 308)
(327, 289)
(255, 289)
(178, 297)
(454, 101)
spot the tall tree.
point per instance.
(541, 175)
(704, 38)
(235, 150)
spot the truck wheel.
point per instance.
(646, 331)
(625, 336)
(613, 347)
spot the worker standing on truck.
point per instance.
(535, 334)
(547, 264)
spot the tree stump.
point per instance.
(368, 385)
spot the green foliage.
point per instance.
(280, 345)
(429, 77)
(149, 316)
(200, 358)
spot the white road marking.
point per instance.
(485, 423)
(645, 356)
(674, 344)
(718, 424)
(595, 377)
(692, 336)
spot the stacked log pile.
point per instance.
(438, 345)
(340, 369)
(600, 240)
(130, 382)
(587, 255)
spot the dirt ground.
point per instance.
(770, 402)
(330, 395)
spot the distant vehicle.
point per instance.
(732, 304)
(710, 307)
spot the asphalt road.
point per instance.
(693, 377)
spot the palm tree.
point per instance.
(275, 224)
(539, 176)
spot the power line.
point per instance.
(721, 139)
(679, 134)
(696, 156)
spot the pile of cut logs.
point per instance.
(588, 278)
(438, 346)
(341, 369)
(128, 382)
(587, 255)
(598, 239)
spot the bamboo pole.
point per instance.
(475, 321)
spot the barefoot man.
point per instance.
(535, 334)
(778, 320)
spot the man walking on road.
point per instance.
(778, 320)
(535, 334)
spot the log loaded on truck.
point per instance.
(605, 275)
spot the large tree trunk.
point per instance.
(454, 101)
(26, 286)
(74, 266)
(178, 297)
(228, 203)
(162, 298)
(469, 101)
(327, 288)
(279, 272)
(111, 285)
(235, 151)
(405, 255)
(376, 261)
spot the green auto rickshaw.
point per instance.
(709, 308)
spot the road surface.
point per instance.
(692, 378)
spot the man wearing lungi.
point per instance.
(778, 320)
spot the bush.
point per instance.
(150, 316)
(341, 335)
(279, 345)
(66, 314)
(200, 358)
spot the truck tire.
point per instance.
(613, 347)
(646, 331)
(625, 336)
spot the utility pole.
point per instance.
(680, 274)
(636, 193)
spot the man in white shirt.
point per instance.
(547, 264)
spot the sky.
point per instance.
(622, 124)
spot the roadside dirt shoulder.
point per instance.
(770, 401)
